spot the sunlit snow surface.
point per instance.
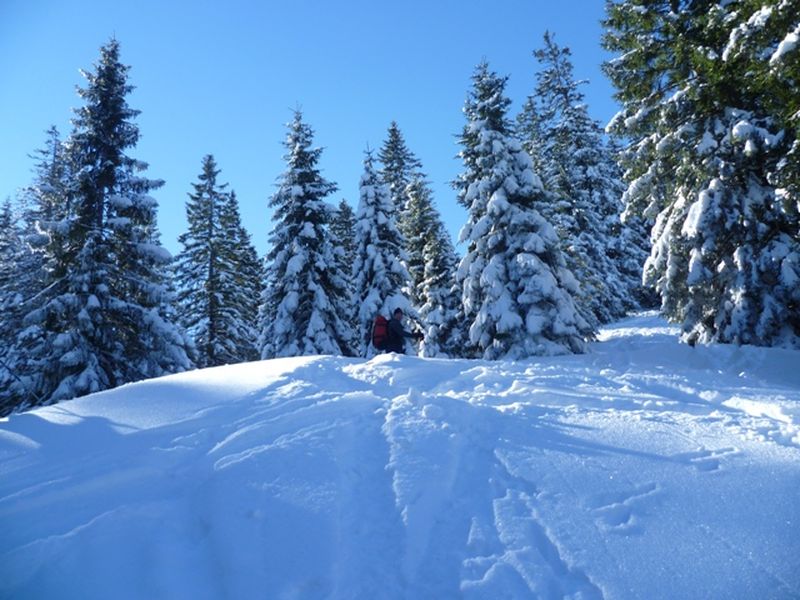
(644, 469)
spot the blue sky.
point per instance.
(224, 77)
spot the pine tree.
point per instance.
(33, 240)
(343, 229)
(379, 268)
(431, 266)
(629, 237)
(246, 280)
(23, 228)
(343, 232)
(400, 167)
(102, 316)
(440, 308)
(580, 174)
(45, 211)
(216, 297)
(12, 295)
(421, 222)
(47, 199)
(305, 295)
(706, 106)
(10, 250)
(763, 51)
(517, 293)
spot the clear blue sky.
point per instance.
(223, 77)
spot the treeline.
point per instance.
(706, 153)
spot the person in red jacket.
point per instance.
(398, 333)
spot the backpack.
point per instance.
(380, 332)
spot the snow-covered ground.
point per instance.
(645, 469)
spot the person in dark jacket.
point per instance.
(398, 333)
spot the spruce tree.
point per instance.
(46, 200)
(101, 318)
(45, 210)
(246, 281)
(215, 295)
(399, 167)
(629, 236)
(421, 222)
(580, 174)
(440, 308)
(12, 295)
(707, 95)
(431, 265)
(305, 294)
(35, 238)
(517, 293)
(10, 251)
(379, 269)
(343, 231)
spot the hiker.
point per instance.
(396, 334)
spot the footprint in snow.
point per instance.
(619, 512)
(705, 460)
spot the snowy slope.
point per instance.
(645, 469)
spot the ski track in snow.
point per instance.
(639, 470)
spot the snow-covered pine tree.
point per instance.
(102, 316)
(45, 201)
(247, 279)
(710, 144)
(432, 265)
(763, 50)
(579, 173)
(45, 207)
(629, 235)
(421, 221)
(305, 298)
(343, 228)
(10, 251)
(518, 296)
(151, 343)
(399, 167)
(12, 294)
(33, 242)
(215, 293)
(379, 269)
(343, 232)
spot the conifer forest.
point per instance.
(687, 201)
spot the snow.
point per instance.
(787, 45)
(156, 252)
(755, 23)
(707, 144)
(642, 469)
